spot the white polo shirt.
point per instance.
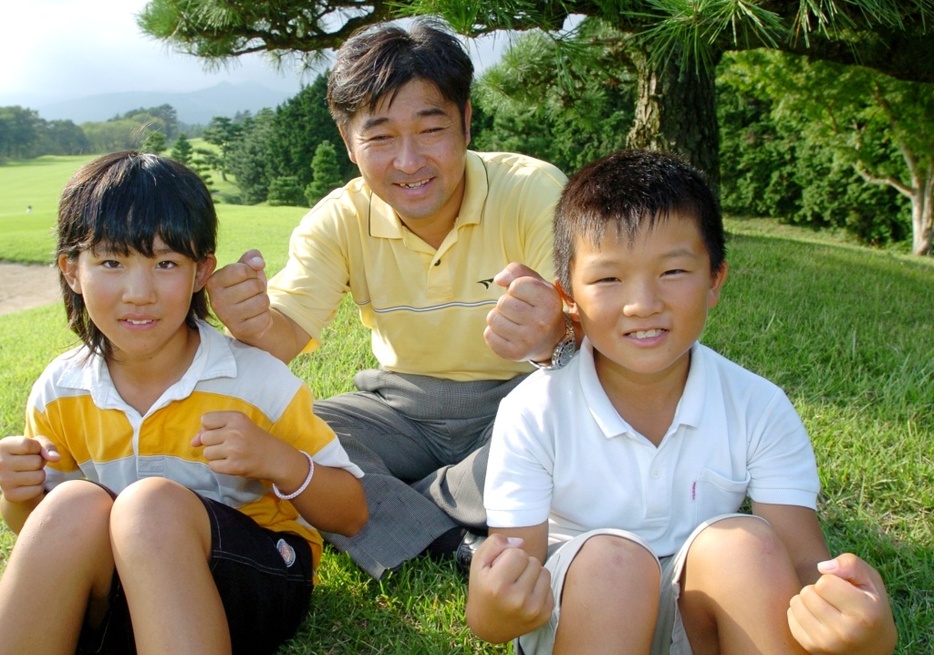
(560, 451)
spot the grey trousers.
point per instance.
(423, 444)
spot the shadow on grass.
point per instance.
(417, 609)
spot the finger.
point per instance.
(858, 573)
(512, 272)
(493, 547)
(254, 260)
(49, 450)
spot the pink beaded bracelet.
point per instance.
(311, 472)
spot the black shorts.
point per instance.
(264, 581)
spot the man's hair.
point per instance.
(123, 201)
(376, 62)
(633, 190)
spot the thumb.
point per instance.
(49, 450)
(513, 272)
(254, 259)
(494, 546)
(851, 568)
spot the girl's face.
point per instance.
(139, 303)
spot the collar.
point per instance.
(213, 359)
(385, 224)
(689, 411)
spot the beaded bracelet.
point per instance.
(311, 472)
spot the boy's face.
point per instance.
(411, 152)
(643, 305)
(139, 303)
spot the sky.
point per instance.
(62, 49)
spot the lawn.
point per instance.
(847, 331)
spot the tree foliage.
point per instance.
(325, 173)
(857, 137)
(300, 125)
(249, 157)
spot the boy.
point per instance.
(169, 476)
(624, 471)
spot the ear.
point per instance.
(345, 137)
(69, 269)
(717, 279)
(468, 112)
(568, 302)
(203, 271)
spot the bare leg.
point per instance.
(59, 573)
(737, 584)
(610, 599)
(161, 540)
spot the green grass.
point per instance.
(848, 332)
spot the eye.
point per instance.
(110, 263)
(166, 264)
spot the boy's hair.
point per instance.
(123, 201)
(633, 190)
(375, 63)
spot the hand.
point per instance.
(238, 297)
(528, 320)
(22, 464)
(509, 592)
(846, 611)
(235, 445)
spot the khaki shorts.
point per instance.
(669, 637)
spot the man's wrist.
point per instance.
(563, 351)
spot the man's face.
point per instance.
(411, 152)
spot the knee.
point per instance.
(153, 508)
(618, 562)
(76, 507)
(737, 544)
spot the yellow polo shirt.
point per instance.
(426, 308)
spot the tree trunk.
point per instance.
(922, 217)
(676, 111)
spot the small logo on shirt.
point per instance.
(486, 283)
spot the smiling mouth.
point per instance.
(138, 322)
(414, 185)
(646, 334)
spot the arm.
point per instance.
(22, 476)
(239, 299)
(333, 500)
(509, 592)
(843, 607)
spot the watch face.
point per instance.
(563, 354)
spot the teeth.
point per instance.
(646, 334)
(132, 322)
(415, 185)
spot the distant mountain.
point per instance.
(194, 108)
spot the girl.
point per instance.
(168, 479)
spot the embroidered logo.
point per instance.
(287, 553)
(486, 283)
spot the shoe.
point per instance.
(465, 550)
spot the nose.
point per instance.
(409, 155)
(642, 299)
(139, 287)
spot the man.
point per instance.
(424, 241)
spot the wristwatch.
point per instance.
(564, 351)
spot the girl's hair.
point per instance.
(123, 201)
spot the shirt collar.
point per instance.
(688, 413)
(385, 224)
(213, 359)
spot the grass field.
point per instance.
(847, 332)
